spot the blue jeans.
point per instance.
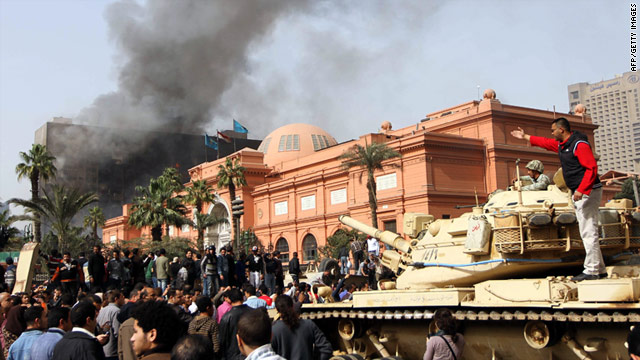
(343, 267)
(162, 283)
(210, 285)
(270, 282)
(206, 284)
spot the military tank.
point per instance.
(503, 270)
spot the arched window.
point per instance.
(283, 246)
(309, 248)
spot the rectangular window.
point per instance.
(338, 196)
(385, 182)
(308, 202)
(112, 239)
(296, 142)
(575, 95)
(289, 142)
(283, 138)
(281, 208)
(314, 139)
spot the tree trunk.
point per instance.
(156, 233)
(373, 201)
(35, 195)
(200, 239)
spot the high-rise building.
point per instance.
(111, 162)
(613, 105)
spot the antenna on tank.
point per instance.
(475, 191)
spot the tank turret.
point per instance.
(515, 234)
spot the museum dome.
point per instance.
(294, 141)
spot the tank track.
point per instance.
(619, 316)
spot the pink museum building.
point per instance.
(297, 187)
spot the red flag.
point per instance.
(224, 137)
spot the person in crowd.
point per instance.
(6, 303)
(109, 324)
(295, 338)
(149, 270)
(446, 343)
(81, 343)
(155, 331)
(137, 267)
(232, 266)
(36, 319)
(96, 269)
(580, 172)
(223, 267)
(69, 274)
(115, 269)
(209, 270)
(204, 323)
(241, 270)
(229, 326)
(53, 261)
(174, 271)
(254, 336)
(294, 268)
(138, 296)
(83, 264)
(197, 261)
(175, 299)
(343, 255)
(59, 322)
(251, 299)
(269, 272)
(162, 269)
(633, 343)
(193, 347)
(373, 246)
(356, 252)
(279, 270)
(256, 267)
(264, 295)
(189, 264)
(14, 324)
(225, 306)
(535, 171)
(10, 274)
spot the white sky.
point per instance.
(345, 68)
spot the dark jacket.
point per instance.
(300, 342)
(255, 265)
(572, 170)
(294, 266)
(228, 329)
(96, 268)
(77, 346)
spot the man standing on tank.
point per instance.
(580, 173)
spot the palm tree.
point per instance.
(157, 206)
(172, 178)
(37, 164)
(59, 206)
(198, 194)
(370, 157)
(230, 176)
(202, 221)
(94, 220)
(7, 231)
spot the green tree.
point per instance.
(627, 191)
(7, 231)
(337, 241)
(198, 194)
(370, 158)
(37, 165)
(157, 206)
(171, 179)
(94, 220)
(59, 206)
(231, 176)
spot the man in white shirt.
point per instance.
(373, 246)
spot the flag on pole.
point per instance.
(237, 127)
(210, 142)
(224, 137)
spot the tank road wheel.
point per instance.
(538, 335)
(348, 329)
(331, 265)
(347, 357)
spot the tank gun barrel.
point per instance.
(387, 237)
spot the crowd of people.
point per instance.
(122, 304)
